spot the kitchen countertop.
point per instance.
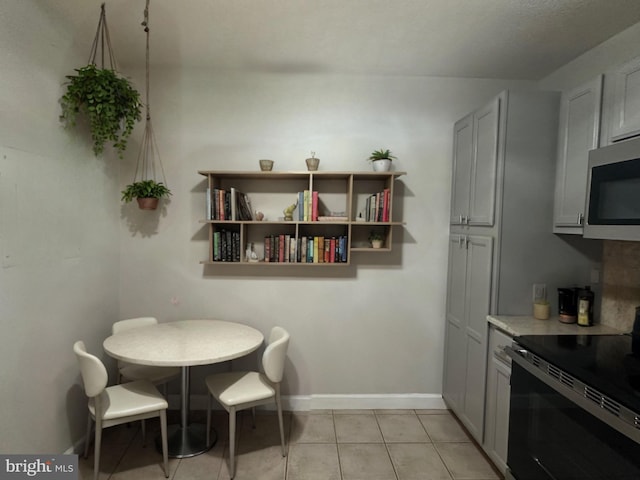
(517, 325)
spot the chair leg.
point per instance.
(280, 422)
(208, 419)
(96, 452)
(253, 417)
(232, 441)
(144, 433)
(88, 438)
(165, 446)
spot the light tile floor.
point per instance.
(322, 445)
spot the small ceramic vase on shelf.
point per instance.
(313, 162)
(266, 165)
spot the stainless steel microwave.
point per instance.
(613, 192)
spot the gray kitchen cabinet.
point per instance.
(523, 248)
(579, 132)
(475, 156)
(470, 263)
(496, 437)
(625, 104)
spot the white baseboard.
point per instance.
(295, 403)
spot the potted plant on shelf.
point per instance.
(376, 239)
(146, 192)
(381, 160)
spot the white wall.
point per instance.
(58, 237)
(375, 328)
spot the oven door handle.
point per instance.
(626, 422)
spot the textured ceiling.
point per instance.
(510, 39)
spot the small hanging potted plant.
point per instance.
(381, 160)
(147, 192)
(145, 189)
(107, 99)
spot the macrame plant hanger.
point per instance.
(146, 165)
(102, 41)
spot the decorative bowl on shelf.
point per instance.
(266, 165)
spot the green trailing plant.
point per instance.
(381, 155)
(145, 189)
(108, 100)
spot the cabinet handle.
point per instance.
(463, 241)
(461, 220)
(580, 218)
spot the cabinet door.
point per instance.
(484, 168)
(625, 112)
(579, 133)
(461, 177)
(498, 392)
(455, 362)
(478, 294)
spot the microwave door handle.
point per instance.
(574, 395)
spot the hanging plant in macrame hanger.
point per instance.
(107, 99)
(145, 187)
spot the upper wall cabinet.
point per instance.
(475, 158)
(579, 132)
(625, 107)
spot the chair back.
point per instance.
(93, 372)
(130, 323)
(275, 354)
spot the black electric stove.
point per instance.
(604, 362)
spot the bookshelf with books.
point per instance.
(332, 216)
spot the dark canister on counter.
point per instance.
(585, 307)
(568, 304)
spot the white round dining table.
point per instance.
(184, 343)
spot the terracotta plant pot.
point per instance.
(147, 203)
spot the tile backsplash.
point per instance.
(620, 283)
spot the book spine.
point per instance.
(208, 217)
(387, 205)
(303, 250)
(287, 248)
(327, 250)
(281, 248)
(332, 250)
(216, 246)
(300, 206)
(314, 206)
(267, 249)
(315, 250)
(306, 200)
(292, 250)
(233, 203)
(309, 249)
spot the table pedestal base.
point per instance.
(187, 442)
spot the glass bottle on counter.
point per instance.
(585, 307)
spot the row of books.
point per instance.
(228, 204)
(378, 206)
(307, 206)
(306, 249)
(226, 246)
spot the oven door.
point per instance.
(555, 434)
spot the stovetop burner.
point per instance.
(604, 362)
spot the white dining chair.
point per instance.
(241, 390)
(129, 371)
(110, 406)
